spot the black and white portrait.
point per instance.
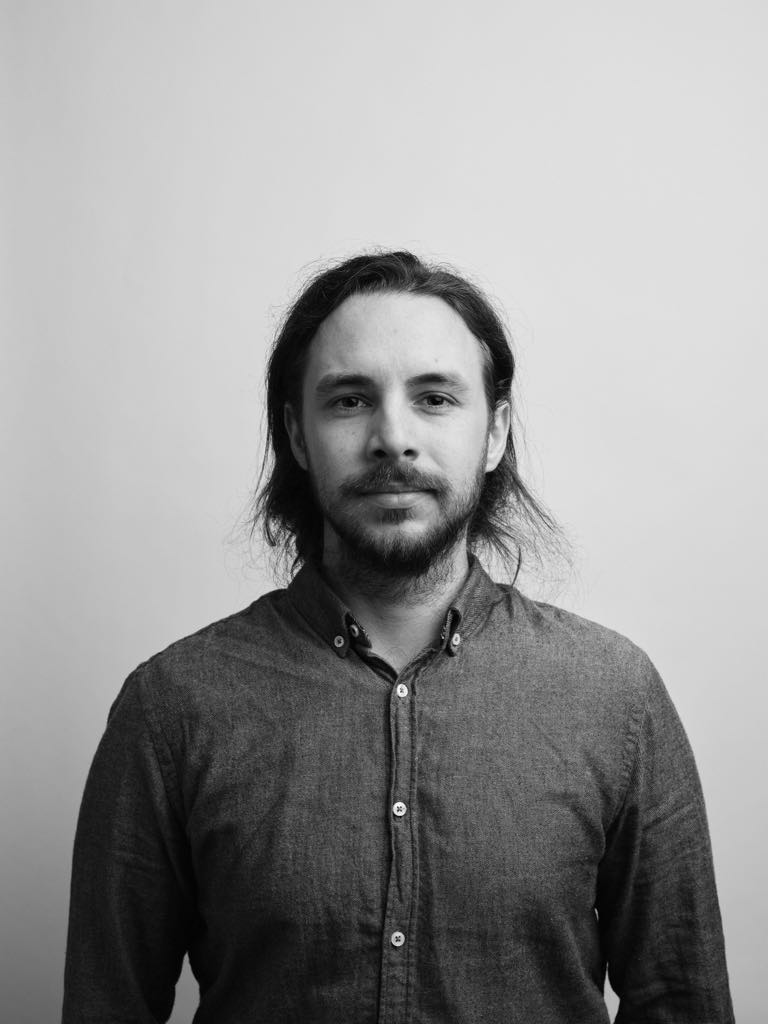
(483, 797)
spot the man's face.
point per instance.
(395, 429)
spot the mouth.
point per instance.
(394, 489)
(394, 497)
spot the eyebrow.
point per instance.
(334, 381)
(331, 382)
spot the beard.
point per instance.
(383, 554)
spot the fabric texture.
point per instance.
(471, 840)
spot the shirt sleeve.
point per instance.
(657, 903)
(131, 899)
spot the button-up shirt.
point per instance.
(470, 840)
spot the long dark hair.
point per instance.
(508, 518)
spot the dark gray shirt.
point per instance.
(471, 840)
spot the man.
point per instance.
(395, 791)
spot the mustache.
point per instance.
(387, 475)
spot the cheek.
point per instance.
(468, 445)
(331, 452)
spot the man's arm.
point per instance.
(657, 901)
(130, 907)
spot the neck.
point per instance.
(402, 615)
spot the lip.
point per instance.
(394, 489)
(394, 497)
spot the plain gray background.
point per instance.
(174, 170)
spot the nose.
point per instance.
(392, 434)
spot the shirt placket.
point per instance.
(399, 937)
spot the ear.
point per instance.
(295, 434)
(498, 432)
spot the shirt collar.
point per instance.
(338, 627)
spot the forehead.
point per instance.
(394, 334)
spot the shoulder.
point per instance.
(588, 685)
(574, 639)
(210, 663)
(586, 665)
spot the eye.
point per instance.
(436, 401)
(348, 403)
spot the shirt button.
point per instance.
(338, 641)
(399, 809)
(354, 630)
(455, 639)
(402, 690)
(397, 939)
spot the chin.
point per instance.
(396, 516)
(409, 551)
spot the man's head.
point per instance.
(388, 405)
(395, 432)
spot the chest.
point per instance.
(316, 799)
